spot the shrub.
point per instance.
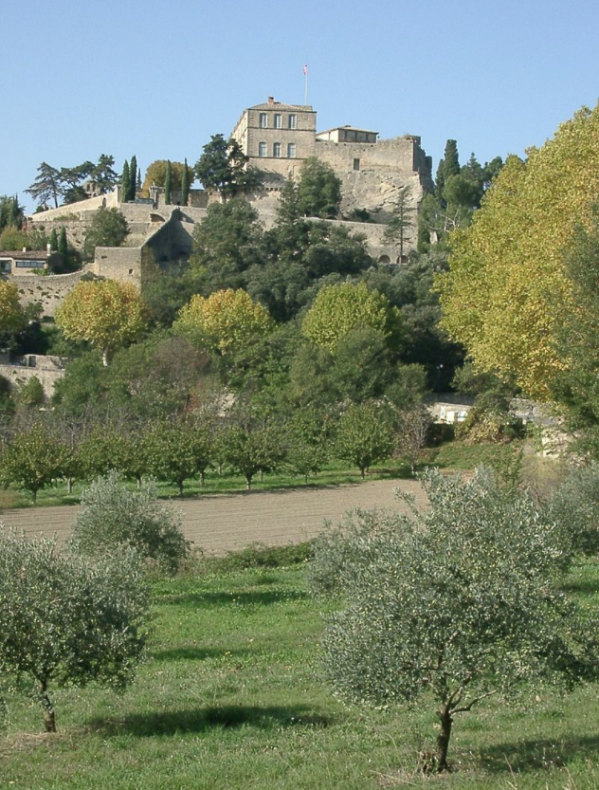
(113, 515)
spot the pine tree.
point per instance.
(168, 183)
(125, 182)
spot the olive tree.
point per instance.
(65, 621)
(113, 516)
(459, 601)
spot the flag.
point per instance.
(306, 69)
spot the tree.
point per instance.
(364, 435)
(125, 182)
(12, 316)
(507, 291)
(113, 517)
(460, 601)
(226, 243)
(168, 183)
(105, 313)
(11, 213)
(223, 167)
(225, 321)
(108, 228)
(413, 425)
(400, 221)
(185, 184)
(63, 247)
(12, 238)
(67, 622)
(340, 308)
(31, 460)
(318, 190)
(156, 175)
(47, 185)
(53, 241)
(132, 178)
(252, 445)
(171, 452)
(104, 176)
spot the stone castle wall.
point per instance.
(48, 370)
(47, 291)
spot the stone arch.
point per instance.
(384, 259)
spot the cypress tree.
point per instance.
(125, 182)
(185, 185)
(168, 183)
(53, 241)
(63, 247)
(133, 178)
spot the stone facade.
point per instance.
(47, 369)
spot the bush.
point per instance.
(112, 516)
(66, 621)
(575, 507)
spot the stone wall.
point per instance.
(48, 370)
(119, 263)
(48, 291)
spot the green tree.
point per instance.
(47, 185)
(223, 167)
(12, 315)
(105, 313)
(133, 178)
(54, 240)
(67, 622)
(103, 174)
(400, 221)
(168, 183)
(112, 517)
(459, 601)
(253, 445)
(63, 247)
(108, 228)
(340, 308)
(171, 452)
(318, 190)
(185, 183)
(11, 213)
(226, 243)
(125, 182)
(32, 459)
(364, 435)
(12, 238)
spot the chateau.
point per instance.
(277, 138)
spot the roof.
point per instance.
(26, 255)
(277, 105)
(349, 128)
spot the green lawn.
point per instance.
(231, 697)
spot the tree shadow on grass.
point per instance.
(256, 597)
(535, 755)
(198, 720)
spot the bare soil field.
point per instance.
(221, 523)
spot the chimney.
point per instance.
(48, 248)
(271, 99)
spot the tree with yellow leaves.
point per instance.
(106, 313)
(506, 294)
(226, 320)
(12, 317)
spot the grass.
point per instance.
(231, 698)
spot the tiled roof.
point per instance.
(26, 255)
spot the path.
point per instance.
(221, 523)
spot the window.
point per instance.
(356, 164)
(278, 121)
(263, 120)
(29, 264)
(291, 150)
(5, 264)
(276, 150)
(292, 121)
(261, 149)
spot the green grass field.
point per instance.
(231, 698)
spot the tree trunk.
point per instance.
(443, 738)
(69, 485)
(248, 482)
(48, 708)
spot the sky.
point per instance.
(157, 79)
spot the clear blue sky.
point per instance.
(157, 79)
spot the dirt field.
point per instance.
(219, 524)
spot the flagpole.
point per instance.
(306, 85)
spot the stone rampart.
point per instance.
(48, 370)
(47, 291)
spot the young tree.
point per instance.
(108, 228)
(113, 517)
(413, 425)
(364, 436)
(460, 601)
(105, 313)
(67, 622)
(32, 459)
(400, 221)
(171, 452)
